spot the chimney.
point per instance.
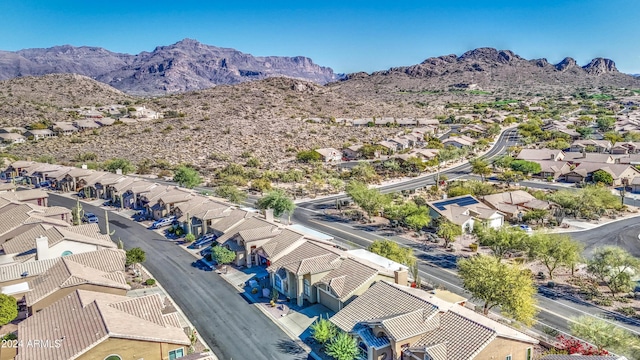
(42, 248)
(84, 167)
(401, 276)
(268, 215)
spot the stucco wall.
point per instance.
(501, 347)
(131, 350)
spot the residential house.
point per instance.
(13, 129)
(621, 173)
(67, 276)
(12, 138)
(68, 181)
(64, 128)
(635, 185)
(459, 141)
(633, 159)
(391, 147)
(32, 196)
(430, 122)
(516, 203)
(577, 158)
(168, 201)
(41, 243)
(626, 147)
(425, 130)
(96, 184)
(105, 121)
(15, 278)
(39, 134)
(96, 325)
(465, 211)
(91, 113)
(362, 122)
(17, 168)
(18, 218)
(86, 124)
(385, 121)
(329, 154)
(401, 143)
(246, 237)
(207, 213)
(352, 152)
(116, 192)
(473, 130)
(392, 321)
(590, 145)
(39, 172)
(222, 225)
(406, 122)
(294, 273)
(88, 183)
(552, 169)
(144, 113)
(7, 187)
(541, 154)
(185, 211)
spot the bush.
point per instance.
(473, 247)
(189, 238)
(603, 302)
(150, 282)
(626, 310)
(254, 291)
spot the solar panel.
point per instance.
(463, 201)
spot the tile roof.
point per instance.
(25, 195)
(224, 224)
(280, 243)
(577, 157)
(67, 273)
(13, 216)
(581, 357)
(107, 260)
(308, 258)
(539, 154)
(462, 337)
(86, 233)
(251, 223)
(84, 319)
(349, 276)
(381, 300)
(410, 324)
(260, 233)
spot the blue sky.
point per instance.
(346, 35)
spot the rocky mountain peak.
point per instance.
(489, 55)
(599, 66)
(566, 64)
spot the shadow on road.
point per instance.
(291, 347)
(119, 224)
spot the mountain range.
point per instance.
(184, 66)
(190, 65)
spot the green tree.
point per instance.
(501, 240)
(554, 250)
(480, 167)
(558, 144)
(584, 131)
(187, 177)
(262, 184)
(323, 330)
(308, 156)
(371, 151)
(135, 256)
(343, 347)
(393, 251)
(499, 284)
(445, 155)
(418, 221)
(605, 123)
(510, 176)
(503, 162)
(614, 267)
(369, 200)
(189, 238)
(364, 172)
(414, 164)
(8, 309)
(525, 167)
(222, 255)
(448, 231)
(279, 201)
(231, 193)
(601, 176)
(606, 335)
(123, 164)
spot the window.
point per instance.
(508, 357)
(66, 253)
(529, 353)
(113, 357)
(307, 287)
(363, 346)
(176, 354)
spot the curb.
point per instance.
(179, 310)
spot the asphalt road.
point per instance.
(232, 326)
(438, 267)
(623, 233)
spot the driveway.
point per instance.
(233, 327)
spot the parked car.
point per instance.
(163, 222)
(526, 228)
(89, 218)
(44, 184)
